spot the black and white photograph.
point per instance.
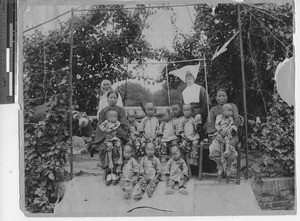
(156, 108)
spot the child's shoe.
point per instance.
(114, 179)
(149, 191)
(183, 191)
(169, 191)
(138, 195)
(108, 179)
(227, 175)
(220, 171)
(127, 194)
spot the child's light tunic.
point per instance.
(177, 169)
(129, 169)
(189, 126)
(149, 168)
(167, 129)
(150, 126)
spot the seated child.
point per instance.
(176, 172)
(177, 117)
(150, 172)
(149, 126)
(190, 138)
(167, 134)
(109, 127)
(224, 126)
(128, 172)
(134, 140)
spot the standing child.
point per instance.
(224, 126)
(177, 117)
(109, 127)
(133, 140)
(150, 172)
(190, 137)
(128, 172)
(149, 126)
(176, 172)
(167, 131)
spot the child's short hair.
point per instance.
(126, 147)
(227, 106)
(149, 144)
(191, 107)
(149, 104)
(175, 148)
(131, 113)
(176, 103)
(110, 112)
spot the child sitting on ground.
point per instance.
(176, 172)
(167, 134)
(134, 140)
(150, 172)
(149, 126)
(128, 172)
(224, 126)
(109, 127)
(190, 138)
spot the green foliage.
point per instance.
(275, 139)
(262, 51)
(104, 41)
(45, 150)
(133, 93)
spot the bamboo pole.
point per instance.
(206, 85)
(244, 86)
(169, 99)
(71, 90)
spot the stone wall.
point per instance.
(275, 193)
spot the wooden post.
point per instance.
(167, 75)
(71, 90)
(244, 86)
(206, 85)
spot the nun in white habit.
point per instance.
(194, 94)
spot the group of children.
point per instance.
(153, 141)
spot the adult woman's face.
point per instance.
(106, 85)
(221, 97)
(112, 99)
(189, 79)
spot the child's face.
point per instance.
(150, 150)
(175, 110)
(127, 152)
(187, 111)
(175, 155)
(131, 118)
(226, 112)
(166, 116)
(150, 110)
(112, 99)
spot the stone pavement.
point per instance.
(87, 195)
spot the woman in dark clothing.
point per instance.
(122, 131)
(215, 148)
